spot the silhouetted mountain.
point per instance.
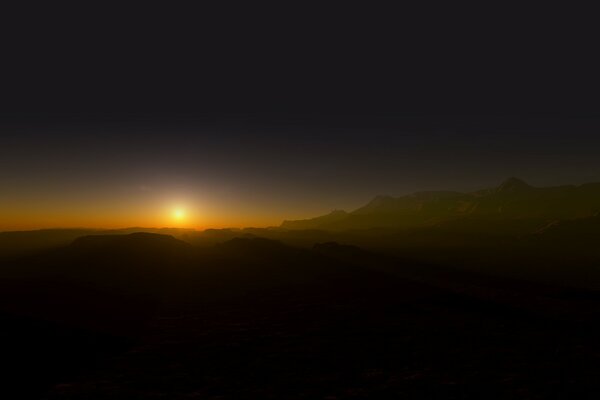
(71, 308)
(254, 315)
(139, 243)
(318, 222)
(242, 246)
(347, 253)
(109, 283)
(338, 250)
(268, 263)
(513, 199)
(23, 242)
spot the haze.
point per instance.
(236, 171)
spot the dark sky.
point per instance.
(246, 116)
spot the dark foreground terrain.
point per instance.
(148, 316)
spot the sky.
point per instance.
(115, 118)
(246, 171)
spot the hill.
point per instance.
(17, 243)
(141, 315)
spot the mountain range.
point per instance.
(442, 290)
(512, 200)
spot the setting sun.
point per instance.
(179, 214)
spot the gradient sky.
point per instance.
(241, 170)
(115, 117)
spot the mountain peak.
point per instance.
(513, 185)
(380, 200)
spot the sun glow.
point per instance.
(179, 214)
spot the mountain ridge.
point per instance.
(512, 199)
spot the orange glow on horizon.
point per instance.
(176, 218)
(144, 213)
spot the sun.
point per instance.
(179, 214)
